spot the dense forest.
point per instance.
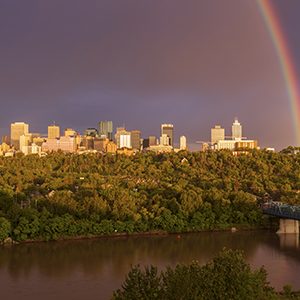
(227, 276)
(67, 195)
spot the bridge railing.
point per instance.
(281, 210)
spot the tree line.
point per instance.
(67, 195)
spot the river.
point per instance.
(93, 269)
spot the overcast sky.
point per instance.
(193, 63)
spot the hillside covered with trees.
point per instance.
(65, 195)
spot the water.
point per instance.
(92, 269)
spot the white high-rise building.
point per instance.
(125, 140)
(182, 143)
(217, 134)
(236, 130)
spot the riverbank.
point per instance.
(232, 229)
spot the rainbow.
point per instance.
(285, 59)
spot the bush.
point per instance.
(227, 276)
(5, 228)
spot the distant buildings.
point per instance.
(123, 141)
(16, 130)
(235, 143)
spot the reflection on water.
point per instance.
(92, 269)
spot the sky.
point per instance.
(140, 63)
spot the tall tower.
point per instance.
(168, 129)
(236, 130)
(53, 132)
(217, 134)
(106, 128)
(16, 130)
(136, 139)
(182, 143)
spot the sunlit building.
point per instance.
(182, 143)
(217, 134)
(53, 132)
(16, 130)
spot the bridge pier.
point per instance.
(288, 226)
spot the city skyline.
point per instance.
(113, 69)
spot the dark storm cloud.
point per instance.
(194, 63)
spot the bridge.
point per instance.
(289, 215)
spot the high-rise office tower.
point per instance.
(217, 134)
(106, 128)
(236, 130)
(53, 132)
(182, 143)
(16, 130)
(168, 129)
(136, 139)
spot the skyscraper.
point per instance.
(53, 132)
(106, 128)
(236, 130)
(168, 129)
(136, 139)
(16, 130)
(217, 134)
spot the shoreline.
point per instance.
(116, 235)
